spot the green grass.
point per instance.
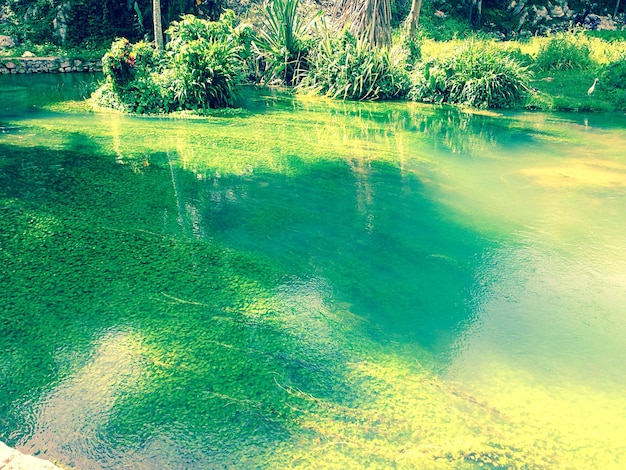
(557, 90)
(566, 90)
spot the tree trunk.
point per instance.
(158, 27)
(616, 8)
(368, 19)
(414, 16)
(476, 13)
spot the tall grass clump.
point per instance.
(565, 51)
(345, 67)
(475, 74)
(613, 81)
(201, 67)
(283, 41)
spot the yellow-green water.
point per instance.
(310, 284)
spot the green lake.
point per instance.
(310, 284)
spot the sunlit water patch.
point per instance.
(310, 284)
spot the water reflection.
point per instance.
(546, 345)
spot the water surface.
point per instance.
(306, 283)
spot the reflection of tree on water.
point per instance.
(456, 131)
(449, 128)
(362, 225)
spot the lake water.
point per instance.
(310, 284)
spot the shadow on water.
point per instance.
(369, 231)
(156, 318)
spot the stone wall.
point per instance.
(47, 65)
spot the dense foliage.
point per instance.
(613, 80)
(349, 68)
(203, 62)
(476, 74)
(565, 51)
(90, 23)
(283, 41)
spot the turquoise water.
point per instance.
(310, 284)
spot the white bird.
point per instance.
(592, 88)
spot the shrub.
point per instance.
(475, 74)
(613, 81)
(130, 85)
(283, 43)
(201, 68)
(206, 57)
(348, 68)
(125, 62)
(411, 46)
(614, 75)
(565, 51)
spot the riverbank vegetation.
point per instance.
(362, 51)
(205, 62)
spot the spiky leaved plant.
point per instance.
(282, 42)
(346, 67)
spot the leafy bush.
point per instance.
(564, 51)
(475, 74)
(613, 81)
(207, 59)
(614, 75)
(411, 45)
(348, 68)
(200, 68)
(131, 83)
(283, 43)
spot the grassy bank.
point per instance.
(562, 76)
(553, 73)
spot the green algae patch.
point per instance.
(312, 284)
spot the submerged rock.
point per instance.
(12, 459)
